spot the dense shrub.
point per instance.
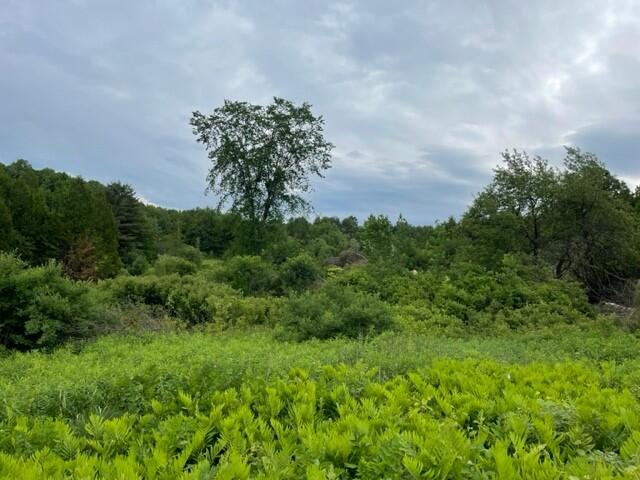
(513, 296)
(236, 311)
(138, 265)
(249, 274)
(423, 317)
(299, 273)
(147, 289)
(192, 299)
(334, 312)
(190, 253)
(39, 308)
(168, 264)
(279, 246)
(182, 296)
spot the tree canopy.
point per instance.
(579, 220)
(263, 156)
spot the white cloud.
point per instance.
(427, 93)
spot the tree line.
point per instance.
(579, 221)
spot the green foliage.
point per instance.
(300, 272)
(496, 365)
(524, 189)
(262, 157)
(467, 297)
(188, 252)
(335, 311)
(579, 221)
(168, 264)
(55, 216)
(6, 227)
(635, 316)
(209, 230)
(38, 307)
(135, 233)
(139, 265)
(377, 237)
(249, 274)
(280, 247)
(178, 407)
(598, 233)
(193, 300)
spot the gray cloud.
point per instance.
(419, 97)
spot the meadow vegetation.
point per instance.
(141, 342)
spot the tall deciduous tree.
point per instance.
(579, 220)
(596, 234)
(523, 187)
(263, 156)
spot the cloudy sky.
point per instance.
(419, 97)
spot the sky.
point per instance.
(419, 97)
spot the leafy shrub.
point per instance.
(139, 265)
(182, 296)
(299, 273)
(513, 296)
(136, 318)
(249, 274)
(320, 249)
(168, 264)
(635, 315)
(235, 311)
(333, 312)
(39, 308)
(281, 248)
(147, 289)
(192, 299)
(423, 317)
(193, 254)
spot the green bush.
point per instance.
(280, 249)
(335, 311)
(423, 317)
(147, 289)
(39, 308)
(182, 296)
(190, 253)
(513, 296)
(249, 274)
(139, 265)
(168, 264)
(299, 273)
(234, 311)
(193, 300)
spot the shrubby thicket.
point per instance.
(538, 246)
(39, 307)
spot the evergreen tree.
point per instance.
(134, 229)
